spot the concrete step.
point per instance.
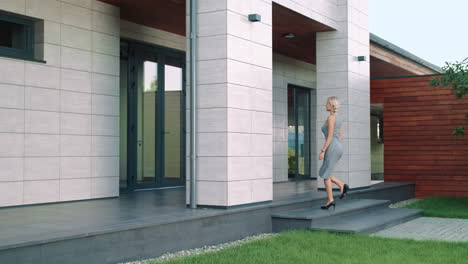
(303, 217)
(368, 222)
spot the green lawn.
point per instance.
(322, 248)
(448, 207)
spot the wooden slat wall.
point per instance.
(419, 147)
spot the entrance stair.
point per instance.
(350, 216)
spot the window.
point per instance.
(380, 131)
(16, 37)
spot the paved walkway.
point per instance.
(429, 228)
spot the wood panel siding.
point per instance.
(419, 147)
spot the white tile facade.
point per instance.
(59, 138)
(234, 103)
(339, 73)
(55, 113)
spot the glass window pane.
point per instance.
(298, 132)
(151, 76)
(123, 123)
(291, 134)
(173, 82)
(12, 35)
(172, 78)
(147, 100)
(303, 131)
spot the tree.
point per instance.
(153, 86)
(455, 75)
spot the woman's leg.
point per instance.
(337, 182)
(328, 188)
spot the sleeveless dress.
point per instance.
(334, 150)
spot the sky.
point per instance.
(434, 30)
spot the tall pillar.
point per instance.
(339, 73)
(234, 131)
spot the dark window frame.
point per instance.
(27, 52)
(307, 134)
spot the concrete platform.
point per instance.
(144, 225)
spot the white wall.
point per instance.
(235, 103)
(59, 130)
(59, 136)
(289, 71)
(340, 73)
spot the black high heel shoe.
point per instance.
(345, 190)
(325, 207)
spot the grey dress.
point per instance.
(334, 150)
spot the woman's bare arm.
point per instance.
(331, 127)
(341, 133)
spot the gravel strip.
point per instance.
(202, 250)
(403, 203)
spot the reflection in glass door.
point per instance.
(147, 110)
(152, 148)
(298, 132)
(173, 136)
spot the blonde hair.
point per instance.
(334, 102)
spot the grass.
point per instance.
(324, 248)
(447, 207)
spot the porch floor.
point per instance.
(39, 224)
(26, 225)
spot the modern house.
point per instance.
(96, 102)
(96, 96)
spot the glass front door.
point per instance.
(147, 127)
(298, 132)
(154, 123)
(173, 136)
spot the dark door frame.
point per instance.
(136, 50)
(307, 174)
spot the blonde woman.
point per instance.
(332, 151)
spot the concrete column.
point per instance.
(234, 103)
(339, 73)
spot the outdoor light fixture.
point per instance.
(289, 35)
(255, 18)
(361, 58)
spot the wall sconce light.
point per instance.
(289, 35)
(361, 58)
(255, 18)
